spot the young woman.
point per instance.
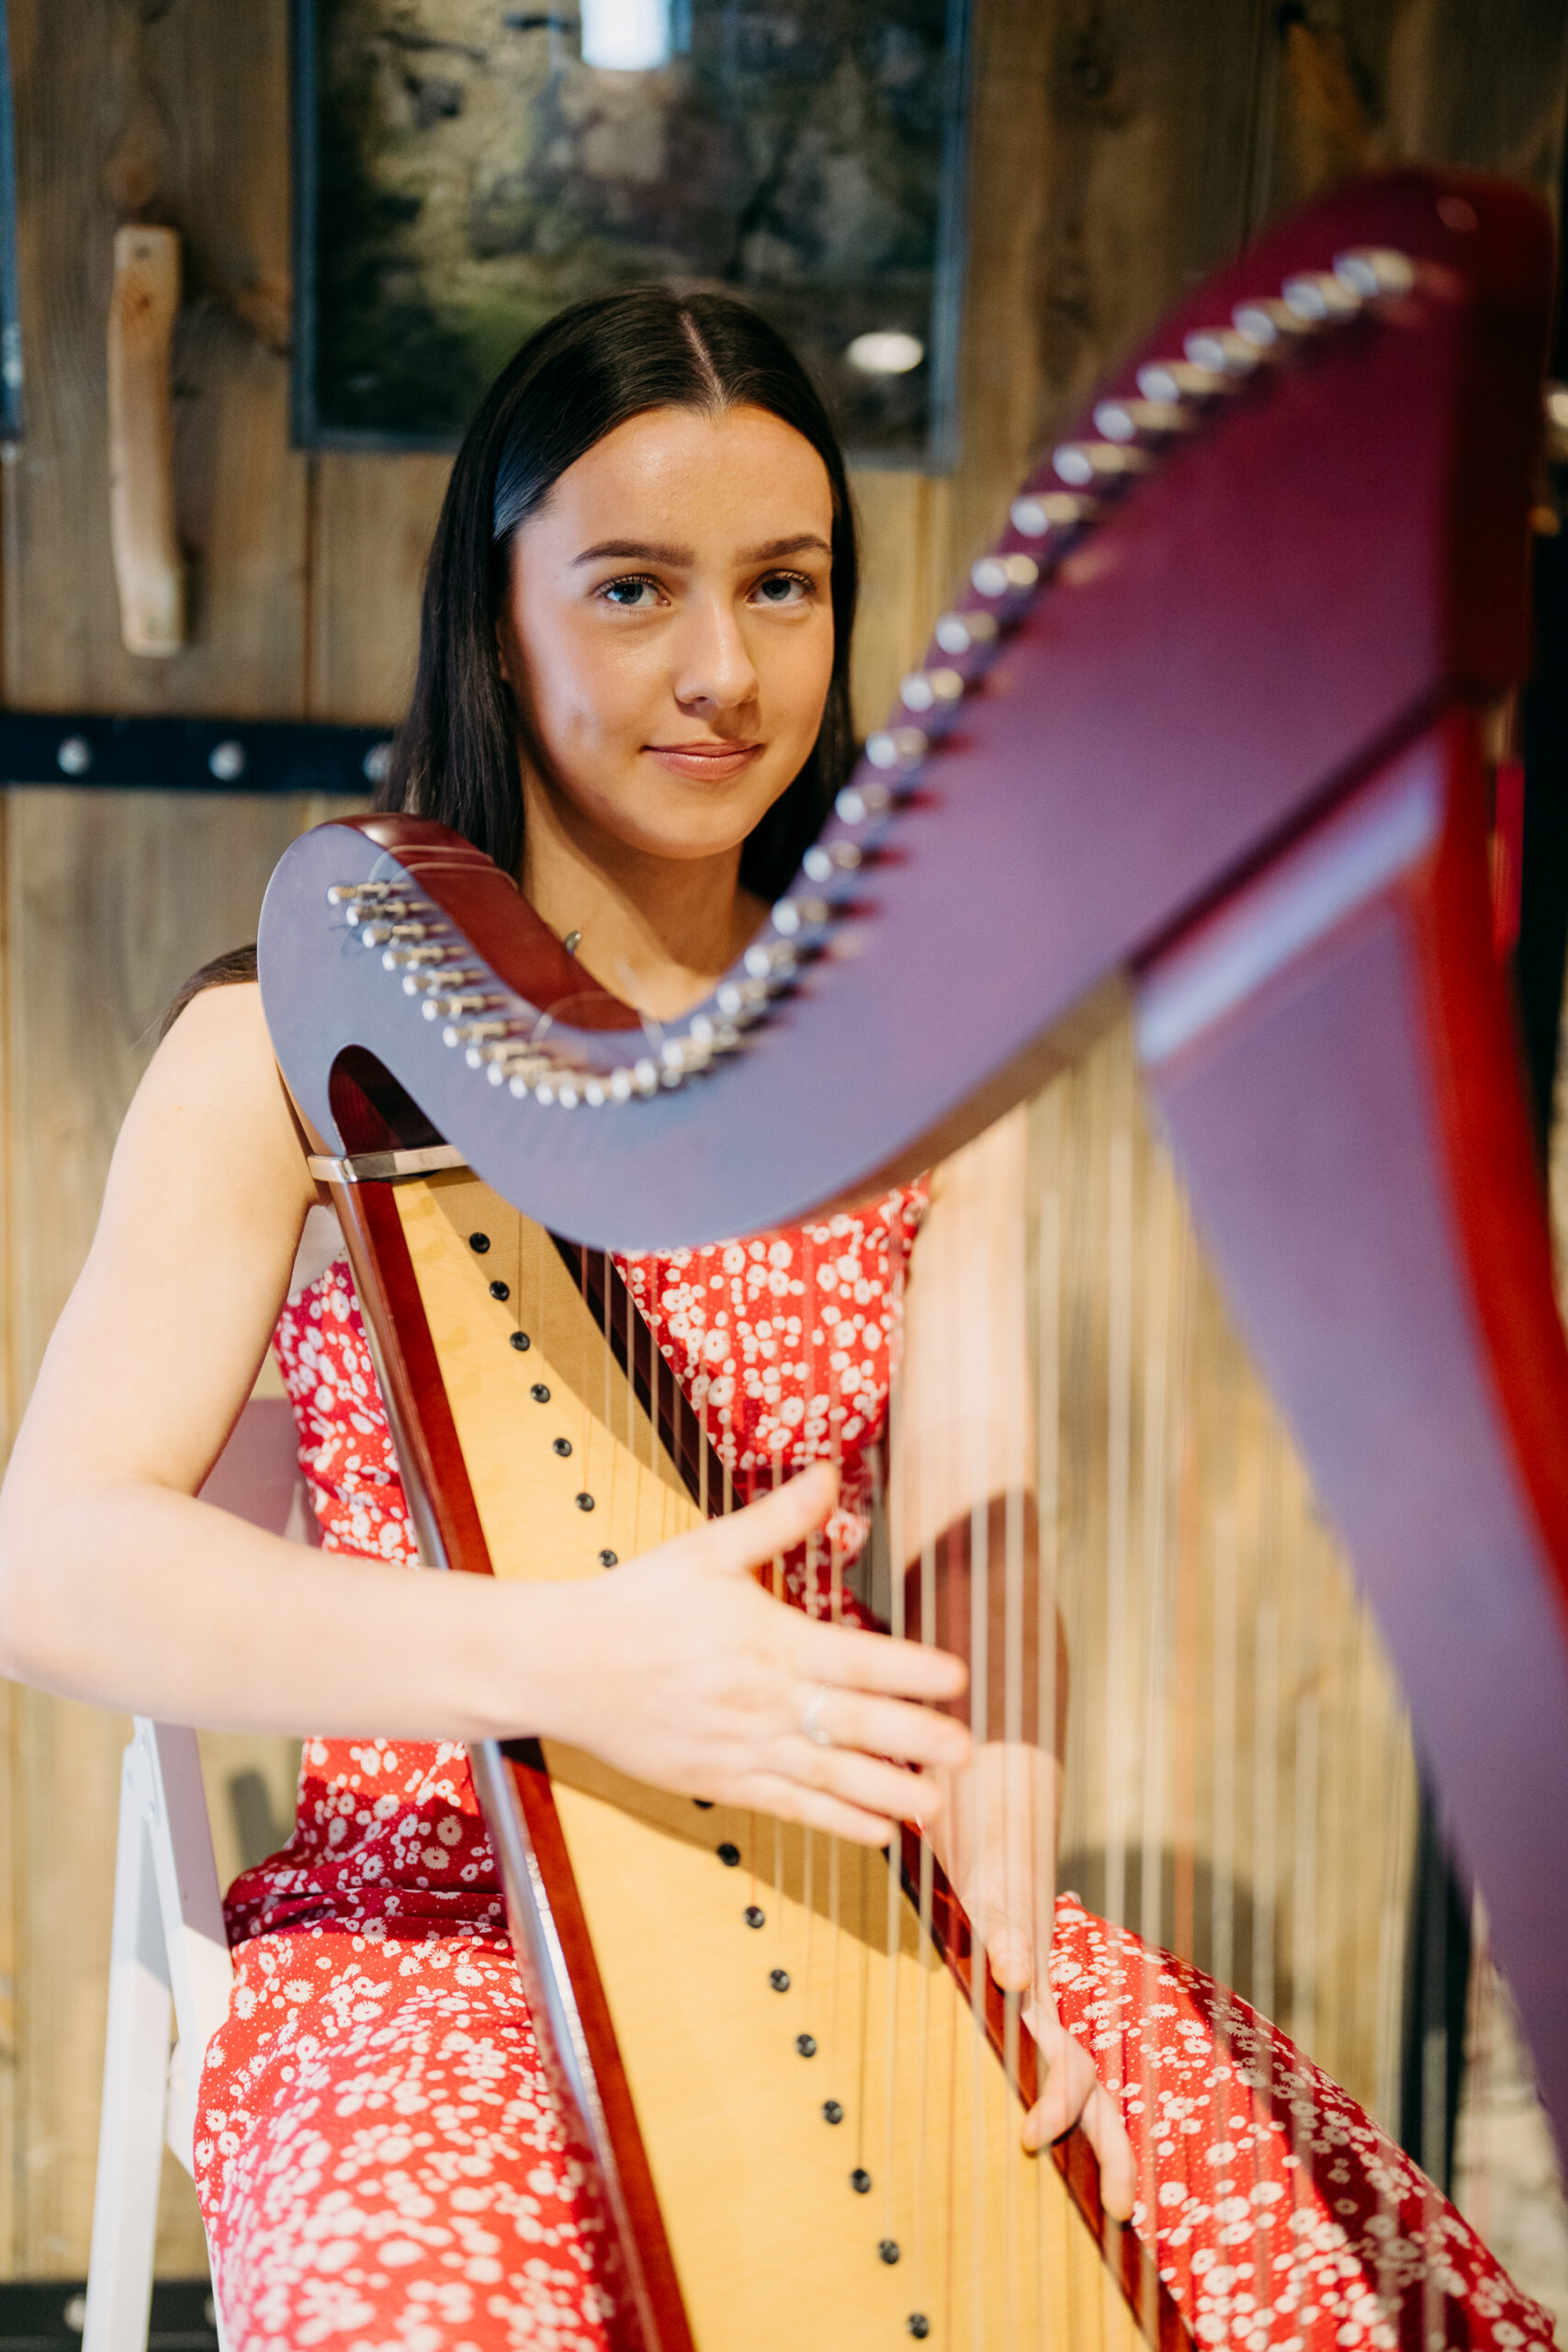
(631, 691)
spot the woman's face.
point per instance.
(670, 629)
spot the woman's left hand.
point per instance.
(996, 1838)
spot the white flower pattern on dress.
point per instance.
(380, 2164)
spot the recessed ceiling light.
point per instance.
(626, 36)
(886, 353)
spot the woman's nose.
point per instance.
(715, 671)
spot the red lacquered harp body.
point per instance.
(1205, 728)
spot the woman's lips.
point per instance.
(709, 762)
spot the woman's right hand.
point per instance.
(678, 1669)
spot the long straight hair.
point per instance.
(592, 367)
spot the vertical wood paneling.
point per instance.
(113, 899)
(179, 115)
(371, 530)
(894, 513)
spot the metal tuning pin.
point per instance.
(961, 633)
(385, 927)
(926, 690)
(1089, 465)
(469, 1033)
(1373, 270)
(1268, 323)
(352, 894)
(1320, 299)
(361, 911)
(398, 959)
(1003, 575)
(1222, 351)
(857, 804)
(898, 747)
(1142, 419)
(769, 965)
(441, 979)
(449, 1007)
(506, 1064)
(1181, 379)
(823, 860)
(791, 916)
(1038, 513)
(481, 1050)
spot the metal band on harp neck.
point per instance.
(384, 1167)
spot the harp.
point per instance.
(1202, 738)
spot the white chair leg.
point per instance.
(200, 1971)
(201, 1974)
(136, 2073)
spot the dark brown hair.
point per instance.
(591, 368)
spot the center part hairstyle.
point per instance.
(592, 367)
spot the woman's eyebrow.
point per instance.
(799, 544)
(683, 558)
(638, 551)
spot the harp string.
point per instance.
(1045, 1289)
(1174, 1536)
(973, 1248)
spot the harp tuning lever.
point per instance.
(931, 689)
(858, 803)
(1005, 575)
(1084, 465)
(823, 860)
(959, 633)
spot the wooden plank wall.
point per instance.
(1119, 148)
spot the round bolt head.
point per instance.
(75, 756)
(226, 760)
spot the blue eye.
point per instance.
(783, 588)
(629, 593)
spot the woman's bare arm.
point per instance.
(117, 1585)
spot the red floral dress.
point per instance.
(378, 2165)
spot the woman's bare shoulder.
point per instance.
(212, 1108)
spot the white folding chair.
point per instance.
(169, 1950)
